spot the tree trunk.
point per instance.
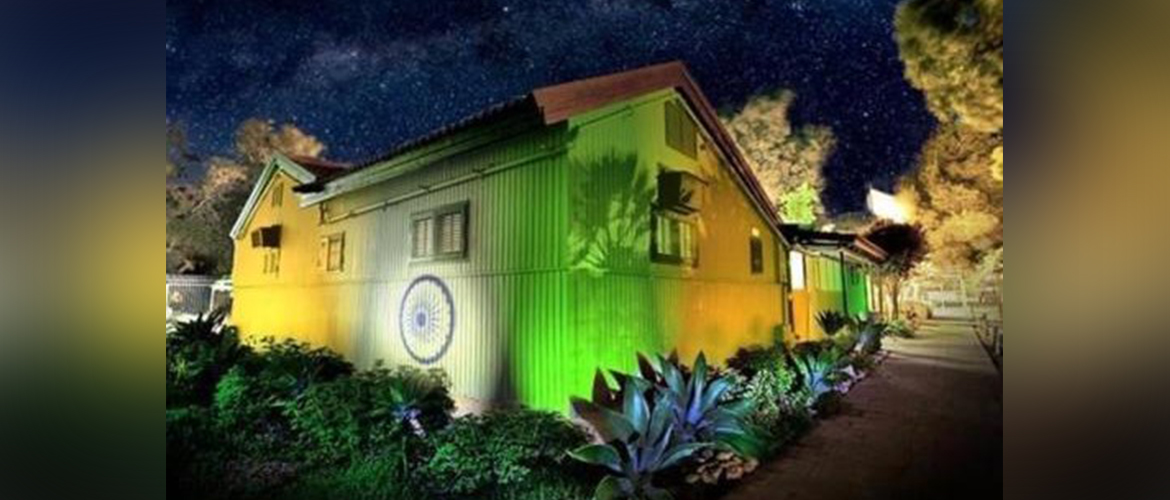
(897, 292)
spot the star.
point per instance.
(410, 67)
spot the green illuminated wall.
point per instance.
(857, 291)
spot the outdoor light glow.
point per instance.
(887, 206)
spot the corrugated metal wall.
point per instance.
(557, 281)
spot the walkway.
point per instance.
(927, 425)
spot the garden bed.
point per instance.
(285, 421)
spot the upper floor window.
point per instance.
(332, 253)
(440, 234)
(757, 252)
(277, 194)
(682, 134)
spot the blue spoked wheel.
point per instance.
(426, 319)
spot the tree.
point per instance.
(801, 206)
(956, 200)
(179, 155)
(997, 168)
(906, 246)
(953, 51)
(787, 161)
(257, 140)
(200, 213)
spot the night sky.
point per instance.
(366, 75)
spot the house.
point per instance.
(525, 247)
(830, 272)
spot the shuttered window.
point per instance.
(424, 238)
(441, 233)
(451, 233)
(682, 134)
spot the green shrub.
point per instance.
(194, 454)
(374, 478)
(189, 431)
(750, 361)
(902, 329)
(781, 404)
(356, 415)
(253, 400)
(199, 353)
(503, 453)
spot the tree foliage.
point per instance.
(788, 161)
(257, 140)
(957, 201)
(953, 50)
(904, 243)
(997, 168)
(801, 205)
(202, 210)
(179, 155)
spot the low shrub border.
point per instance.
(285, 421)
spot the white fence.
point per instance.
(191, 296)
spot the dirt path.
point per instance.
(927, 425)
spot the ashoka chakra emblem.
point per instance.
(426, 319)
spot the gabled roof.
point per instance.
(831, 241)
(302, 169)
(322, 169)
(557, 103)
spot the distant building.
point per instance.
(830, 272)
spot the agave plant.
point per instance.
(821, 367)
(698, 402)
(832, 322)
(870, 333)
(641, 441)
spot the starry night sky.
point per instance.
(366, 75)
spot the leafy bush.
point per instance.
(781, 403)
(502, 452)
(357, 415)
(902, 329)
(374, 478)
(833, 322)
(189, 431)
(199, 353)
(752, 360)
(253, 400)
